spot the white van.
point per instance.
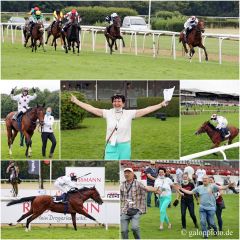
(134, 23)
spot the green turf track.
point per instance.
(19, 152)
(191, 143)
(150, 222)
(21, 63)
(149, 225)
(60, 233)
(151, 139)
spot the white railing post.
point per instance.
(144, 38)
(80, 39)
(131, 41)
(158, 43)
(12, 34)
(2, 33)
(135, 43)
(93, 41)
(154, 45)
(23, 40)
(220, 49)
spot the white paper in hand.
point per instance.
(168, 93)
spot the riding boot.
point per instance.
(19, 115)
(64, 197)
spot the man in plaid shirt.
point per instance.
(133, 197)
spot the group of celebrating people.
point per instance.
(160, 182)
(23, 99)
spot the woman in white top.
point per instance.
(119, 120)
(164, 185)
(47, 133)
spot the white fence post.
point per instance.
(154, 45)
(220, 49)
(2, 33)
(135, 43)
(144, 38)
(174, 47)
(12, 34)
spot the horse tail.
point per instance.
(26, 199)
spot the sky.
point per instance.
(7, 85)
(224, 86)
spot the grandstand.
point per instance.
(199, 97)
(230, 168)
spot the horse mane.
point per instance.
(85, 189)
(210, 125)
(29, 110)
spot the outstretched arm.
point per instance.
(225, 187)
(87, 107)
(144, 111)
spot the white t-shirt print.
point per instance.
(123, 121)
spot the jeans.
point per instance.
(45, 137)
(207, 216)
(125, 220)
(163, 205)
(149, 197)
(219, 217)
(190, 205)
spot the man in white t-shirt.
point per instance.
(179, 174)
(119, 121)
(200, 173)
(189, 170)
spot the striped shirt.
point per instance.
(135, 198)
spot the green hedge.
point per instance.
(167, 14)
(71, 114)
(91, 15)
(172, 110)
(174, 24)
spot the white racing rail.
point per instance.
(155, 34)
(211, 151)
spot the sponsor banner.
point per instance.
(108, 212)
(89, 177)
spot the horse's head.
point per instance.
(203, 128)
(40, 112)
(39, 26)
(117, 22)
(201, 26)
(95, 195)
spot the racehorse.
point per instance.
(37, 34)
(26, 33)
(215, 135)
(55, 30)
(39, 204)
(194, 39)
(14, 180)
(26, 127)
(72, 36)
(113, 33)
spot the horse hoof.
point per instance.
(26, 230)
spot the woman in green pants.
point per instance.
(119, 121)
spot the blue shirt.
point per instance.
(207, 198)
(153, 173)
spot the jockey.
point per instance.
(66, 183)
(71, 17)
(57, 16)
(221, 125)
(36, 16)
(23, 101)
(189, 24)
(110, 19)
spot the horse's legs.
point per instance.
(74, 220)
(35, 215)
(205, 51)
(30, 212)
(55, 43)
(185, 47)
(115, 43)
(28, 143)
(49, 34)
(122, 41)
(73, 46)
(83, 212)
(32, 42)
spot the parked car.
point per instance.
(17, 20)
(134, 23)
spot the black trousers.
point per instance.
(45, 137)
(190, 205)
(219, 217)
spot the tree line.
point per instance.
(201, 8)
(51, 99)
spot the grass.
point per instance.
(19, 152)
(21, 63)
(150, 222)
(193, 144)
(151, 139)
(60, 233)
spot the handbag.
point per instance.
(132, 211)
(221, 204)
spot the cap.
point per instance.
(152, 162)
(128, 169)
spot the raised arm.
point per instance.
(225, 187)
(144, 111)
(87, 107)
(184, 190)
